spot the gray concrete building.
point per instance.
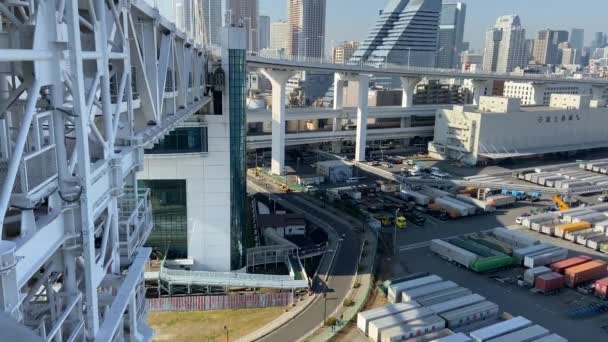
(505, 47)
(306, 20)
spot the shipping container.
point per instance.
(583, 238)
(363, 318)
(520, 253)
(601, 227)
(560, 267)
(572, 236)
(592, 217)
(501, 200)
(456, 303)
(595, 243)
(550, 282)
(443, 296)
(546, 258)
(500, 329)
(491, 263)
(549, 229)
(460, 337)
(418, 327)
(514, 238)
(568, 218)
(453, 213)
(539, 218)
(394, 291)
(472, 246)
(376, 327)
(471, 209)
(586, 272)
(551, 338)
(464, 211)
(427, 290)
(494, 244)
(453, 253)
(432, 336)
(571, 227)
(604, 247)
(415, 196)
(477, 203)
(470, 314)
(531, 274)
(601, 288)
(524, 335)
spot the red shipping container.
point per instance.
(549, 282)
(561, 266)
(601, 288)
(586, 272)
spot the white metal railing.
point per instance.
(325, 60)
(135, 220)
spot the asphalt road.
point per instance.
(344, 268)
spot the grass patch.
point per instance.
(209, 325)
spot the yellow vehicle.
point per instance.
(563, 206)
(401, 222)
(386, 221)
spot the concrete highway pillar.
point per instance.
(597, 92)
(278, 80)
(336, 146)
(362, 112)
(407, 100)
(478, 89)
(539, 94)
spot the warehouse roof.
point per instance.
(499, 152)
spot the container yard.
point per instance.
(395, 290)
(469, 317)
(524, 335)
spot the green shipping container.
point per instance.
(484, 252)
(604, 247)
(491, 263)
(496, 247)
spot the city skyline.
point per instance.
(479, 17)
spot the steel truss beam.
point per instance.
(84, 86)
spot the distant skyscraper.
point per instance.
(344, 51)
(568, 54)
(451, 32)
(264, 31)
(577, 39)
(404, 34)
(599, 40)
(212, 19)
(306, 20)
(279, 35)
(546, 46)
(245, 13)
(505, 47)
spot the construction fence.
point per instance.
(205, 303)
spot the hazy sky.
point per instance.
(351, 19)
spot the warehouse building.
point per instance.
(499, 128)
(536, 94)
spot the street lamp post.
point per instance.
(395, 232)
(226, 330)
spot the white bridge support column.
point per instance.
(278, 79)
(407, 100)
(539, 93)
(362, 112)
(338, 104)
(478, 87)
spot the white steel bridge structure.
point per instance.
(84, 87)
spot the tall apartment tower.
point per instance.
(451, 33)
(264, 31)
(505, 47)
(405, 34)
(212, 20)
(306, 20)
(344, 51)
(279, 35)
(245, 13)
(546, 46)
(577, 39)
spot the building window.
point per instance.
(169, 209)
(183, 140)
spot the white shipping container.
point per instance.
(456, 303)
(551, 338)
(375, 327)
(500, 329)
(460, 208)
(478, 203)
(412, 329)
(582, 239)
(501, 200)
(591, 218)
(416, 196)
(514, 238)
(363, 318)
(394, 291)
(460, 337)
(453, 253)
(525, 335)
(545, 258)
(427, 290)
(520, 253)
(443, 296)
(595, 243)
(470, 314)
(548, 229)
(531, 274)
(602, 226)
(471, 209)
(571, 236)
